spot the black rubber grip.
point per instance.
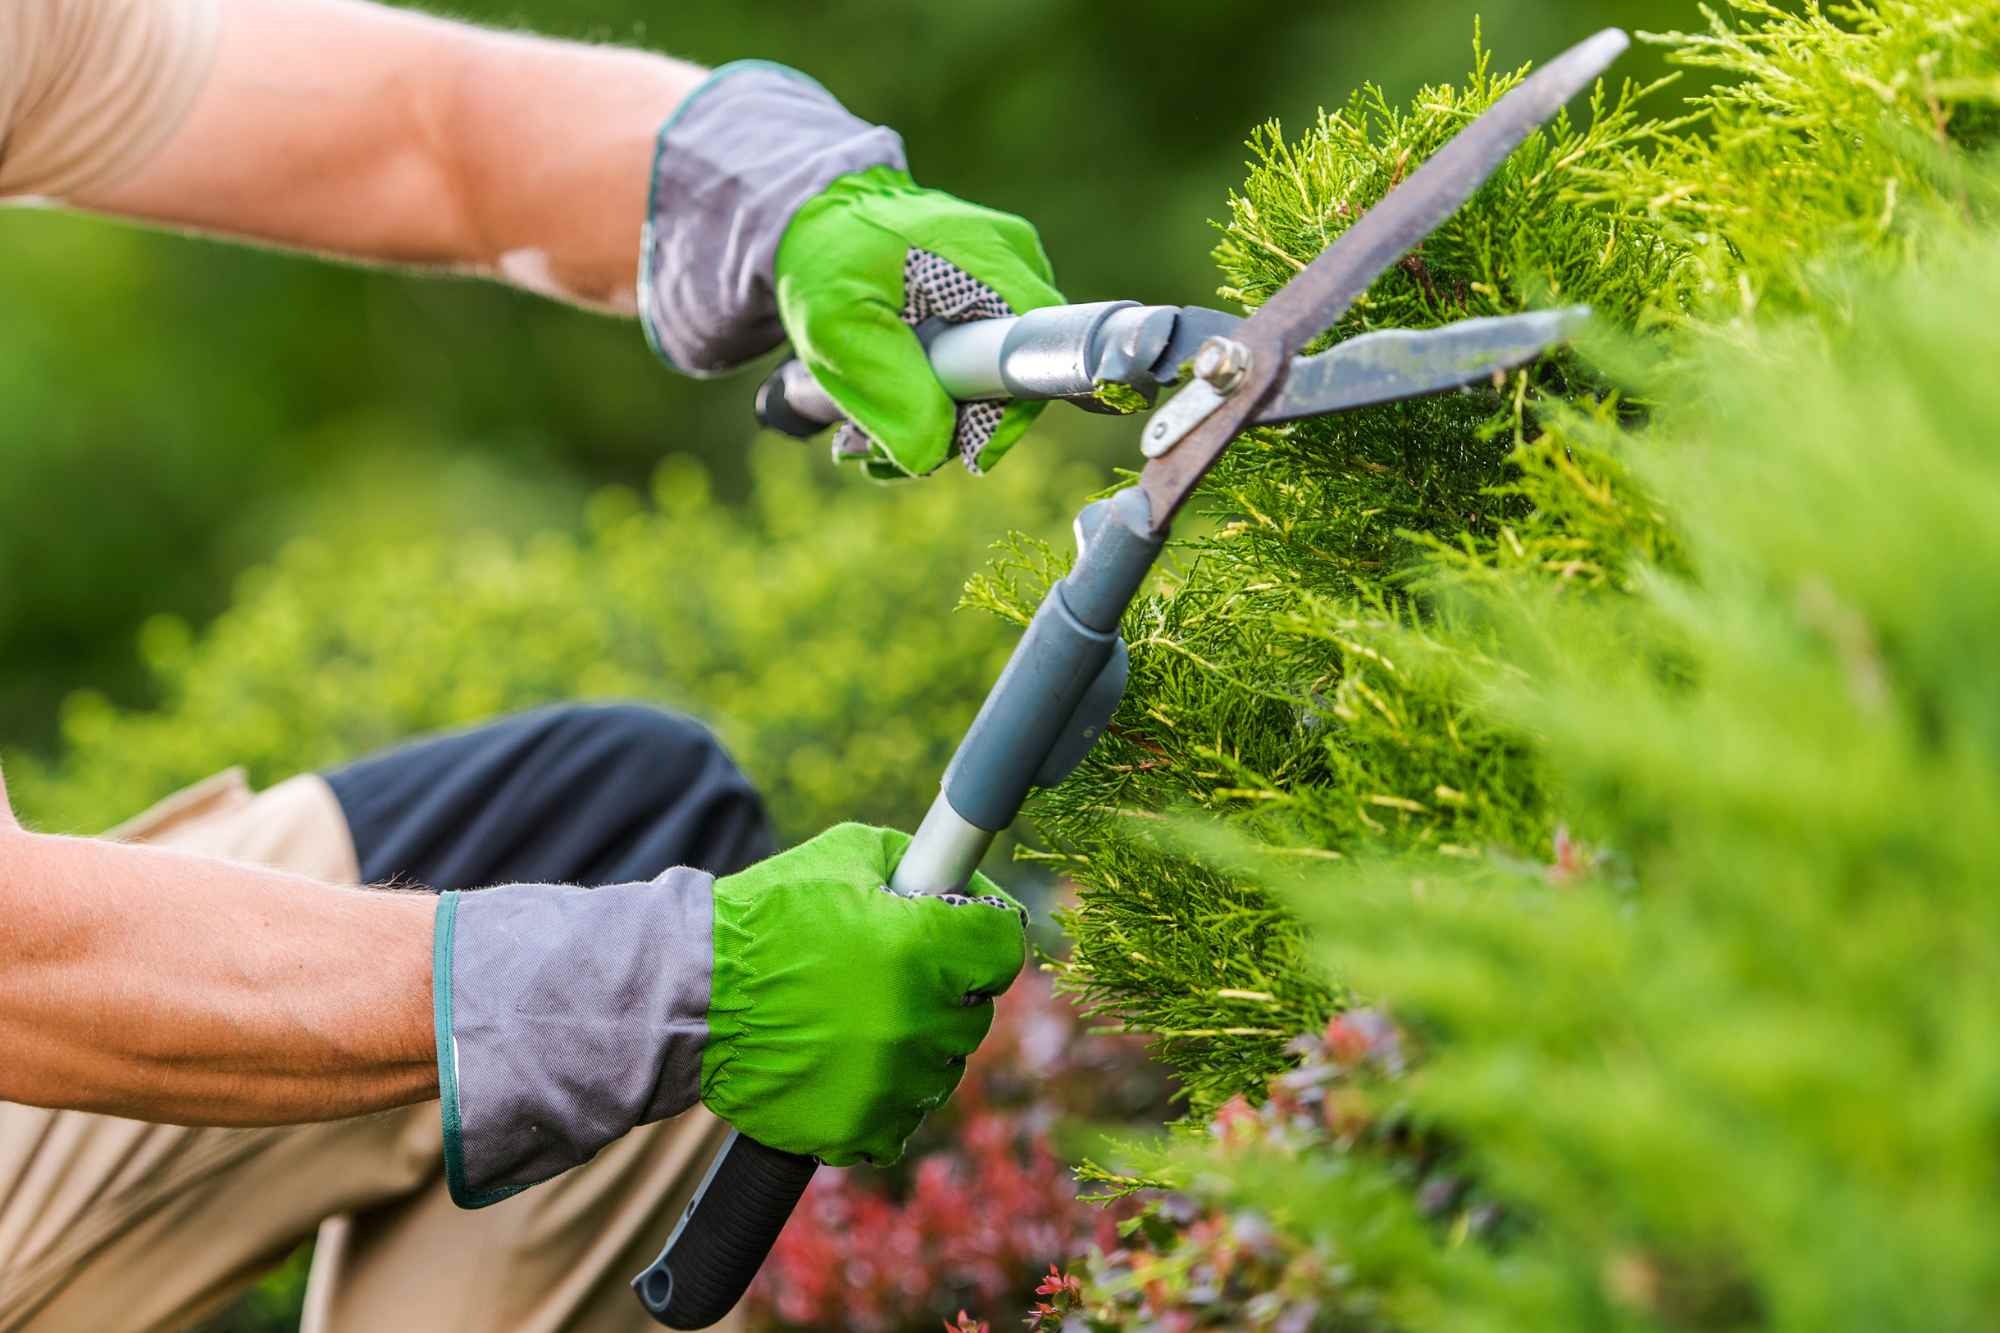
(720, 1242)
(776, 412)
(790, 402)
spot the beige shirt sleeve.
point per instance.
(91, 89)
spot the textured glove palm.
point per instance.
(862, 264)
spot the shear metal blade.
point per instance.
(1321, 292)
(1394, 364)
(1186, 437)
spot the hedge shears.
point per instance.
(1067, 674)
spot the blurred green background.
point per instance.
(178, 410)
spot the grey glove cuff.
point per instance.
(734, 162)
(565, 1017)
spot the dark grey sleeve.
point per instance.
(565, 1017)
(733, 164)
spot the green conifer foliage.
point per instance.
(1633, 752)
(1295, 673)
(1261, 687)
(1728, 1063)
(1838, 131)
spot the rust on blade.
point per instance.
(1321, 293)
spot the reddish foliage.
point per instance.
(981, 1204)
(1195, 1264)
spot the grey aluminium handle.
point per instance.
(1058, 352)
(1048, 706)
(947, 848)
(965, 358)
(1044, 712)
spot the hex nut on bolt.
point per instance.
(1222, 363)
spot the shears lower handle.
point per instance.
(1041, 717)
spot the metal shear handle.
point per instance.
(1058, 352)
(1066, 352)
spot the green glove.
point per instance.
(804, 1001)
(776, 212)
(864, 262)
(841, 1013)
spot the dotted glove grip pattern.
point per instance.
(936, 288)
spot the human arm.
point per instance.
(799, 999)
(379, 134)
(373, 133)
(156, 985)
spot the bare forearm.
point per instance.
(355, 129)
(161, 986)
(555, 183)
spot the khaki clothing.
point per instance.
(109, 1225)
(91, 89)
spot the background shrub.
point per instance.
(177, 410)
(812, 628)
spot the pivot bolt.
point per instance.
(1222, 363)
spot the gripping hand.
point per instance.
(775, 212)
(842, 1013)
(802, 1000)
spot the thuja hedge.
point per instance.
(1295, 675)
(1611, 746)
(1720, 1055)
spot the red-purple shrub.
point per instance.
(1193, 1263)
(981, 1205)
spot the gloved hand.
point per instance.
(776, 212)
(802, 1000)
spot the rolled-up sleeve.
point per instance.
(91, 89)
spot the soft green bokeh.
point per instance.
(813, 630)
